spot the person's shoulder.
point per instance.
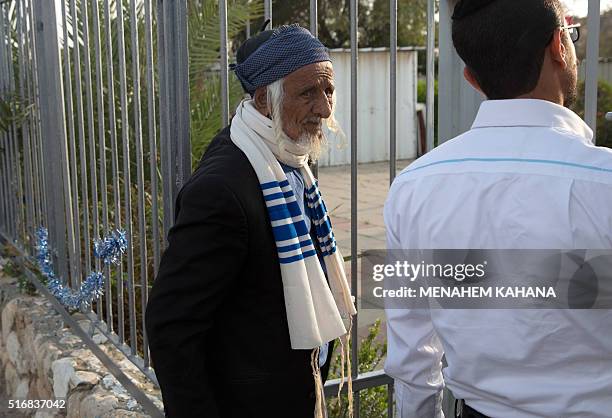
(222, 167)
(589, 151)
(446, 151)
(586, 160)
(222, 157)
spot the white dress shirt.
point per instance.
(526, 176)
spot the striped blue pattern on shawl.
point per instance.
(322, 223)
(292, 237)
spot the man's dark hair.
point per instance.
(503, 42)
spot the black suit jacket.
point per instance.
(215, 319)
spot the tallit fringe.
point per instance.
(316, 372)
(345, 361)
(347, 347)
(343, 344)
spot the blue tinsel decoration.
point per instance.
(109, 250)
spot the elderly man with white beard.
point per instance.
(251, 291)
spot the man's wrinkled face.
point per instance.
(308, 100)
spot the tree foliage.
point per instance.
(603, 135)
(334, 21)
(204, 57)
(411, 23)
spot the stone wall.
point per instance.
(40, 358)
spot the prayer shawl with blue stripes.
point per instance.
(315, 310)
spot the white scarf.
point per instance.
(315, 310)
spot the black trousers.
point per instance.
(462, 410)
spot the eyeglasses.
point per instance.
(573, 30)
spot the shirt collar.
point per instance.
(287, 168)
(531, 113)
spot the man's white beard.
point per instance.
(311, 144)
(314, 143)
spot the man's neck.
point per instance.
(556, 98)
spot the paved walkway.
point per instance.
(372, 189)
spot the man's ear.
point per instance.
(470, 78)
(558, 51)
(260, 100)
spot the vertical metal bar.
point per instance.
(16, 145)
(223, 63)
(268, 12)
(12, 137)
(28, 148)
(127, 182)
(592, 60)
(248, 29)
(91, 139)
(32, 119)
(6, 221)
(390, 404)
(142, 228)
(82, 151)
(314, 15)
(181, 73)
(4, 35)
(314, 29)
(430, 69)
(36, 124)
(164, 123)
(393, 91)
(25, 131)
(52, 122)
(152, 141)
(114, 160)
(28, 67)
(174, 102)
(354, 75)
(152, 132)
(72, 216)
(102, 151)
(9, 137)
(3, 193)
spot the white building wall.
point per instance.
(373, 106)
(604, 71)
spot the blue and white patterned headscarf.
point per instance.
(286, 49)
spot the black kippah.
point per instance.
(467, 7)
(251, 45)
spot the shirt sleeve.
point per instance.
(414, 352)
(207, 248)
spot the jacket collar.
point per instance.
(531, 113)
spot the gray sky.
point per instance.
(580, 7)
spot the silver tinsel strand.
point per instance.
(109, 250)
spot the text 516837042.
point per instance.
(36, 403)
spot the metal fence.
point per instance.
(97, 92)
(99, 139)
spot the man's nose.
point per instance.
(322, 107)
